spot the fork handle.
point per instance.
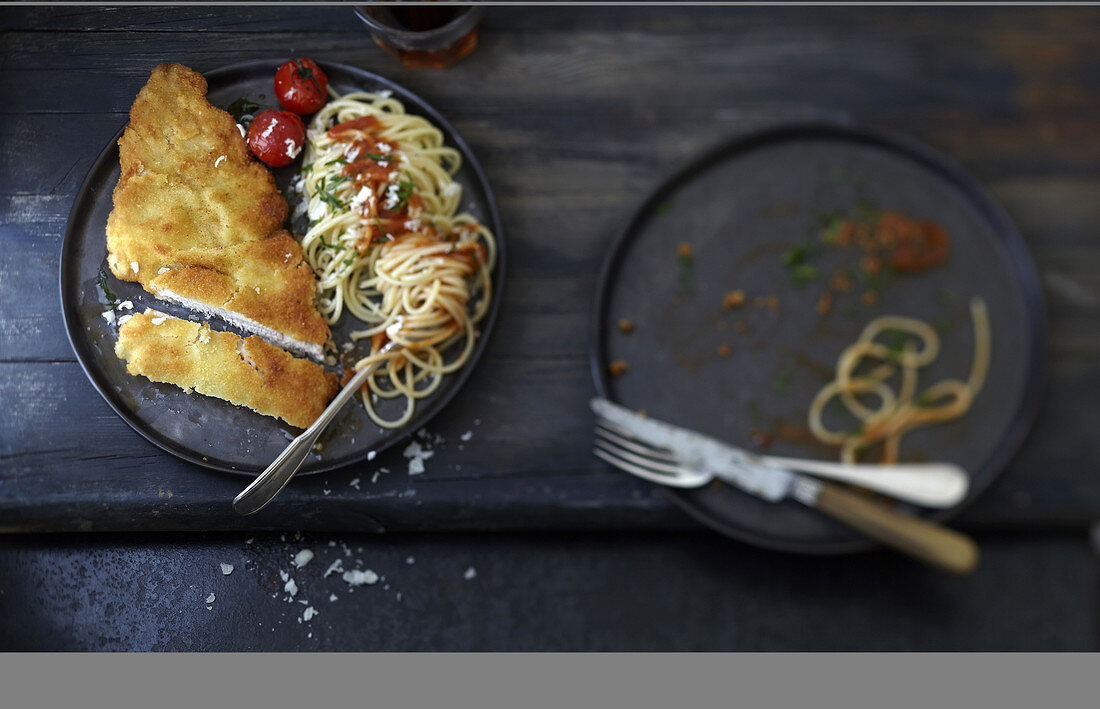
(930, 542)
(270, 482)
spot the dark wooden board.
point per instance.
(575, 114)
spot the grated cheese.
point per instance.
(359, 578)
(303, 557)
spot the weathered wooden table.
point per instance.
(575, 113)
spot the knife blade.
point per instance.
(924, 540)
(707, 454)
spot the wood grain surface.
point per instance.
(575, 113)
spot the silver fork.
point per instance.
(929, 485)
(920, 538)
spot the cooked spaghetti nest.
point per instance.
(388, 246)
(904, 410)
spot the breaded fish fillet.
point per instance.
(198, 221)
(245, 371)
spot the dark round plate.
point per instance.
(208, 431)
(742, 206)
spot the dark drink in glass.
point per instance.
(423, 36)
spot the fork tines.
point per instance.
(654, 464)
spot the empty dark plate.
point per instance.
(743, 207)
(209, 431)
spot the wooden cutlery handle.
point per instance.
(927, 541)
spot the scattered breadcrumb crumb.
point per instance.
(825, 303)
(868, 298)
(724, 350)
(733, 299)
(771, 302)
(684, 250)
(618, 367)
(626, 326)
(841, 281)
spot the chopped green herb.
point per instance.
(335, 247)
(327, 197)
(377, 157)
(242, 107)
(803, 273)
(663, 208)
(833, 225)
(111, 299)
(306, 169)
(797, 262)
(795, 255)
(342, 160)
(404, 191)
(349, 261)
(381, 235)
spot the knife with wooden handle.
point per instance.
(930, 542)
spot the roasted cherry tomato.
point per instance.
(276, 137)
(301, 86)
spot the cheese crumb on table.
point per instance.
(303, 557)
(226, 568)
(359, 578)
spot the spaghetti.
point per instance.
(900, 412)
(388, 246)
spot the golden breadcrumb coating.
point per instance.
(245, 371)
(191, 198)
